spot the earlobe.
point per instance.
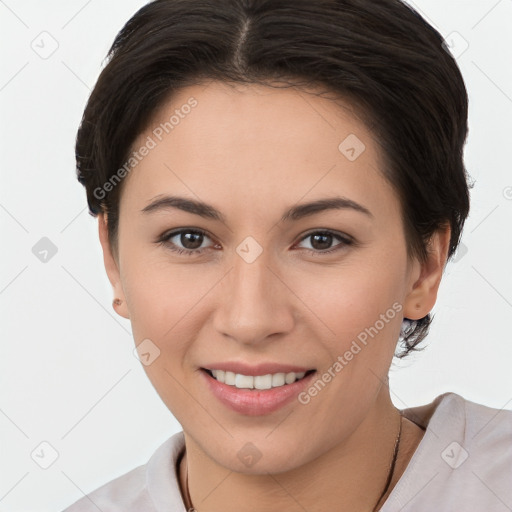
(422, 297)
(112, 268)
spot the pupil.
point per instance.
(191, 240)
(194, 240)
(325, 238)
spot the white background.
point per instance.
(69, 376)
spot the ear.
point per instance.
(423, 294)
(112, 266)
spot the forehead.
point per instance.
(283, 117)
(254, 141)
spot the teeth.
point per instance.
(244, 381)
(230, 377)
(278, 379)
(259, 382)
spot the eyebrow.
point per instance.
(162, 203)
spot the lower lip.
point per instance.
(252, 402)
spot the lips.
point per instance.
(254, 401)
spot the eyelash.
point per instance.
(165, 241)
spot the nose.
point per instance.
(254, 303)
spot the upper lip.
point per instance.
(256, 369)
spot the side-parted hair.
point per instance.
(380, 56)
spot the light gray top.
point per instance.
(463, 463)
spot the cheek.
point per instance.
(160, 294)
(346, 300)
(162, 302)
(168, 305)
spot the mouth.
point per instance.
(260, 394)
(256, 382)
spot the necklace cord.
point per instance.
(386, 487)
(392, 466)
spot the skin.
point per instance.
(252, 152)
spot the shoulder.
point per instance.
(487, 422)
(488, 444)
(463, 462)
(142, 488)
(128, 490)
(484, 432)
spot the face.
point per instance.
(254, 281)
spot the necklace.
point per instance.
(391, 471)
(392, 466)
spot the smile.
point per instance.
(259, 382)
(256, 395)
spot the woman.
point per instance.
(279, 185)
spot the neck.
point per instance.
(350, 476)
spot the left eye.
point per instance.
(321, 241)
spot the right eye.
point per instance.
(185, 241)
